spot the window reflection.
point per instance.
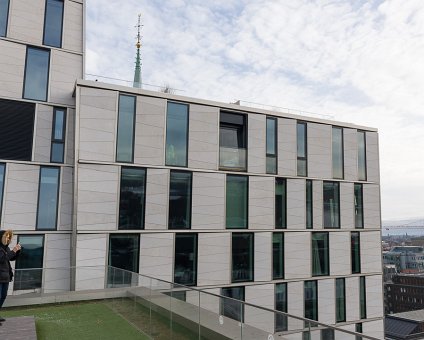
(29, 264)
(362, 159)
(331, 205)
(123, 254)
(302, 153)
(280, 203)
(126, 121)
(176, 134)
(36, 74)
(47, 198)
(230, 308)
(53, 23)
(4, 11)
(180, 200)
(242, 257)
(337, 150)
(320, 254)
(185, 271)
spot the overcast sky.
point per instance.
(361, 61)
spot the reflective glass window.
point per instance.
(320, 254)
(280, 203)
(2, 175)
(53, 23)
(48, 194)
(237, 190)
(242, 257)
(281, 322)
(232, 141)
(123, 259)
(358, 329)
(362, 158)
(126, 124)
(29, 264)
(230, 308)
(337, 150)
(331, 205)
(4, 13)
(362, 298)
(58, 136)
(359, 206)
(309, 205)
(311, 300)
(271, 146)
(185, 266)
(355, 252)
(277, 256)
(36, 74)
(176, 134)
(340, 300)
(302, 152)
(180, 200)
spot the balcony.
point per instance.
(232, 159)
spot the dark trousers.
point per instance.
(3, 292)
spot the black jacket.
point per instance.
(6, 255)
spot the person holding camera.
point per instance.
(6, 255)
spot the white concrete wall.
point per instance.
(149, 142)
(98, 113)
(350, 143)
(261, 295)
(21, 196)
(326, 301)
(256, 143)
(340, 263)
(317, 204)
(319, 150)
(12, 66)
(157, 256)
(263, 257)
(73, 26)
(70, 137)
(296, 203)
(91, 259)
(370, 252)
(261, 202)
(352, 298)
(57, 275)
(97, 197)
(26, 20)
(373, 167)
(203, 144)
(371, 196)
(374, 296)
(347, 209)
(208, 203)
(66, 199)
(295, 304)
(287, 147)
(297, 255)
(157, 198)
(43, 133)
(374, 328)
(214, 259)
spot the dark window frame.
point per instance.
(247, 204)
(304, 158)
(327, 254)
(133, 132)
(227, 298)
(362, 290)
(275, 156)
(315, 282)
(281, 181)
(365, 155)
(187, 127)
(196, 258)
(58, 141)
(342, 149)
(344, 299)
(59, 182)
(7, 20)
(252, 235)
(352, 257)
(191, 197)
(309, 224)
(279, 317)
(61, 28)
(28, 47)
(361, 206)
(334, 183)
(281, 277)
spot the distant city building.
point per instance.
(404, 293)
(408, 259)
(405, 326)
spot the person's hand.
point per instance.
(17, 248)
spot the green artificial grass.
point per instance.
(89, 320)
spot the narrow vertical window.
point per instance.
(58, 136)
(48, 194)
(36, 74)
(358, 329)
(302, 150)
(362, 158)
(327, 334)
(126, 126)
(280, 203)
(309, 205)
(180, 200)
(53, 23)
(185, 266)
(277, 256)
(271, 146)
(320, 254)
(311, 300)
(124, 252)
(232, 141)
(237, 201)
(4, 13)
(132, 198)
(281, 321)
(230, 308)
(29, 264)
(355, 251)
(242, 257)
(362, 298)
(338, 153)
(2, 176)
(340, 300)
(359, 206)
(176, 134)
(331, 205)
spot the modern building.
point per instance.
(405, 293)
(405, 326)
(405, 258)
(276, 209)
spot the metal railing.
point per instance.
(164, 310)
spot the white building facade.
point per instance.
(278, 210)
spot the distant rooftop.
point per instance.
(415, 315)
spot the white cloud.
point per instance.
(359, 60)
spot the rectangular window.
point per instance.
(340, 300)
(311, 300)
(123, 258)
(281, 321)
(359, 206)
(36, 74)
(48, 195)
(126, 127)
(337, 148)
(355, 252)
(2, 176)
(242, 257)
(132, 198)
(280, 203)
(327, 334)
(232, 141)
(362, 158)
(320, 254)
(309, 205)
(53, 23)
(4, 13)
(180, 200)
(58, 135)
(302, 150)
(358, 329)
(237, 198)
(29, 264)
(271, 145)
(230, 308)
(362, 298)
(331, 205)
(185, 267)
(176, 134)
(16, 130)
(277, 256)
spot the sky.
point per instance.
(361, 61)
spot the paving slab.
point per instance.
(20, 328)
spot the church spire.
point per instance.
(137, 72)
